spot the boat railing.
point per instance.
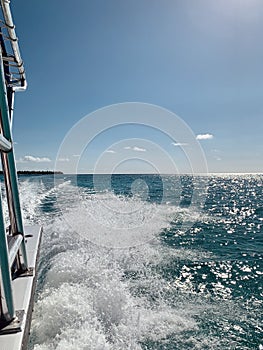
(13, 256)
(12, 59)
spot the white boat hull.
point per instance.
(23, 293)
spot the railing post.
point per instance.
(7, 302)
(9, 168)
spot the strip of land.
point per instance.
(36, 172)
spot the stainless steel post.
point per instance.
(7, 302)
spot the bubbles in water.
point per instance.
(148, 296)
(140, 190)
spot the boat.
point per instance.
(19, 244)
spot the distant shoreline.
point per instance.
(36, 172)
(51, 172)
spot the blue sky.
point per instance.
(200, 59)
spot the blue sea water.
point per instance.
(147, 261)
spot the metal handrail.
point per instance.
(14, 244)
(5, 145)
(14, 43)
(13, 257)
(7, 302)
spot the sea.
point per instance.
(147, 262)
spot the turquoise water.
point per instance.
(147, 261)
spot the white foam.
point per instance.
(91, 297)
(87, 302)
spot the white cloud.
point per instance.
(110, 151)
(138, 149)
(204, 137)
(135, 148)
(63, 159)
(34, 159)
(179, 144)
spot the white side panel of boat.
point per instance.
(23, 292)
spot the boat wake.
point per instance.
(111, 296)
